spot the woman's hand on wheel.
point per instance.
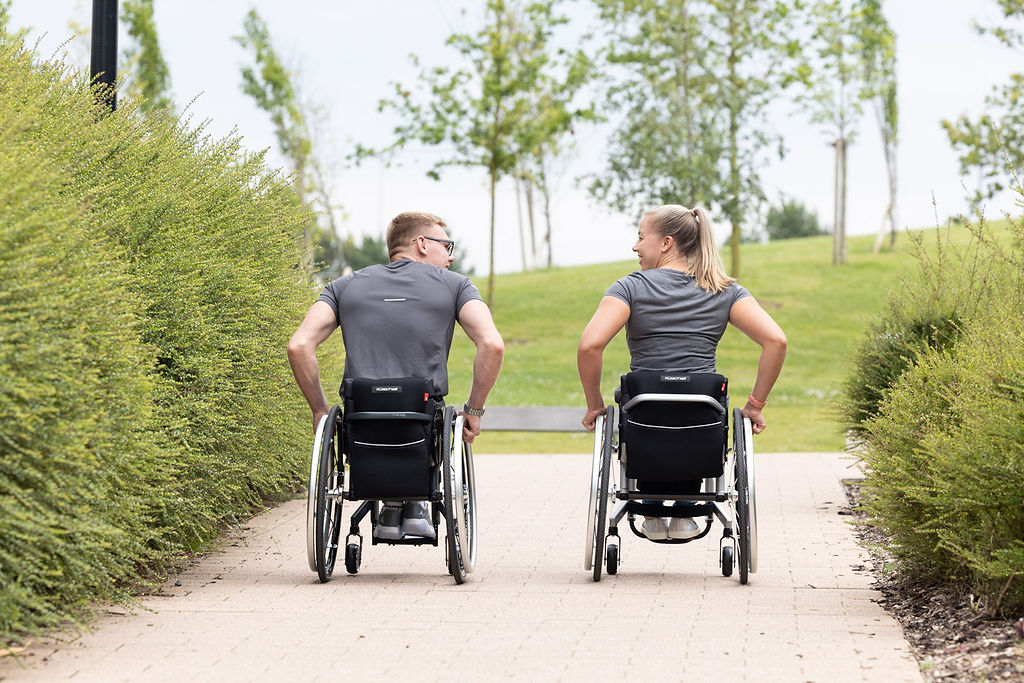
(590, 419)
(757, 423)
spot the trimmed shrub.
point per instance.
(792, 219)
(149, 279)
(924, 314)
(946, 461)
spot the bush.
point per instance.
(792, 219)
(936, 392)
(946, 461)
(151, 279)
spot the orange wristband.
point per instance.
(755, 402)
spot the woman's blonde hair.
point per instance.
(691, 230)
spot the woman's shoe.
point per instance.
(683, 527)
(655, 528)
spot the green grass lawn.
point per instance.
(823, 310)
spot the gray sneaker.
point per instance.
(416, 520)
(389, 524)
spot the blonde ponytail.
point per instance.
(695, 241)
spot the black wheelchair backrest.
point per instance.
(388, 437)
(674, 424)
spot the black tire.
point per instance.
(328, 507)
(353, 557)
(455, 564)
(602, 490)
(739, 452)
(727, 560)
(613, 559)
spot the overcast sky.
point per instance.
(348, 51)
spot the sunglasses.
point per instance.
(448, 244)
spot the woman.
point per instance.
(675, 310)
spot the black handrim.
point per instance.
(455, 566)
(743, 497)
(602, 490)
(328, 508)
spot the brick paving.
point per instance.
(254, 611)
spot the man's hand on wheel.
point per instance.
(470, 428)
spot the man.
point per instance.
(397, 320)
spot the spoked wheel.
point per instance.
(325, 499)
(597, 515)
(741, 428)
(449, 464)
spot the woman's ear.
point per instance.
(668, 242)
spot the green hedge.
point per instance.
(944, 436)
(149, 280)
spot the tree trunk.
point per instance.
(519, 218)
(490, 269)
(734, 164)
(529, 218)
(842, 206)
(835, 203)
(546, 195)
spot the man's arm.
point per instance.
(316, 327)
(476, 320)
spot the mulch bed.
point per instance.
(951, 636)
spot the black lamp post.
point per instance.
(103, 68)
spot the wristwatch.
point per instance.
(473, 411)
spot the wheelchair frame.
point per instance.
(326, 492)
(730, 498)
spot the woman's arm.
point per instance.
(612, 313)
(748, 316)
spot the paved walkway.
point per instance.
(254, 611)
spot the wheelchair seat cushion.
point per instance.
(389, 438)
(668, 440)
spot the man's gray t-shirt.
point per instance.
(397, 319)
(673, 323)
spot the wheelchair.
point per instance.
(672, 427)
(387, 445)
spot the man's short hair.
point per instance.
(407, 226)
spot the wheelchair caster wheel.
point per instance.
(613, 558)
(353, 557)
(727, 560)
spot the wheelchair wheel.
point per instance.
(449, 464)
(748, 434)
(353, 557)
(597, 516)
(726, 560)
(740, 426)
(612, 558)
(311, 491)
(327, 518)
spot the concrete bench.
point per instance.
(533, 419)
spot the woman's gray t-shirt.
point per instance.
(673, 323)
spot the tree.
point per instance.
(700, 75)
(993, 145)
(149, 76)
(791, 219)
(480, 112)
(833, 74)
(271, 85)
(878, 45)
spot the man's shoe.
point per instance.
(683, 527)
(416, 520)
(389, 524)
(655, 529)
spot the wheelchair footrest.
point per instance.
(658, 510)
(408, 540)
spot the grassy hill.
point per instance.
(823, 310)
